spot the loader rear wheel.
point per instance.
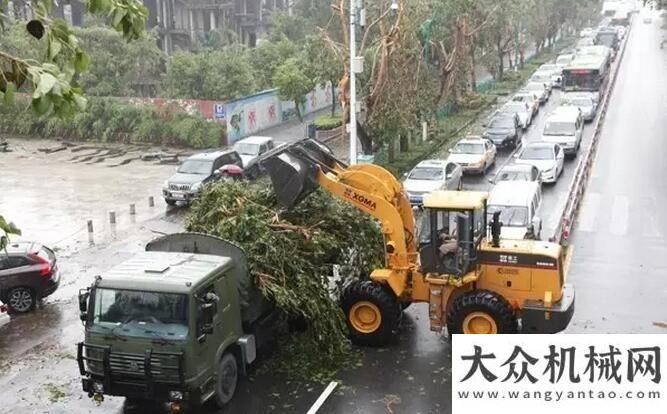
(481, 312)
(371, 311)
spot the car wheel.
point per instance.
(21, 300)
(170, 202)
(228, 378)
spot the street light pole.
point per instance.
(353, 83)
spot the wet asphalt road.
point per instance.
(619, 264)
(619, 247)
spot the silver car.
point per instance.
(588, 106)
(432, 175)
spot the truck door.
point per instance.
(207, 331)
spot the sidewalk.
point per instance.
(293, 130)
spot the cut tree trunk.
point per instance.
(333, 98)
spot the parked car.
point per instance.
(521, 109)
(565, 128)
(585, 42)
(538, 89)
(519, 205)
(473, 154)
(545, 77)
(504, 130)
(28, 273)
(198, 170)
(529, 97)
(252, 147)
(518, 172)
(432, 175)
(586, 104)
(595, 96)
(547, 157)
(4, 316)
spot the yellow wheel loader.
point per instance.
(472, 283)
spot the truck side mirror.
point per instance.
(83, 303)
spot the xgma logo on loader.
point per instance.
(360, 199)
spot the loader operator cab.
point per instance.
(451, 229)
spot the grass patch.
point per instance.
(55, 392)
(327, 122)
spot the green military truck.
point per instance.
(174, 325)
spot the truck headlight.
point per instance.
(98, 387)
(195, 187)
(165, 185)
(175, 396)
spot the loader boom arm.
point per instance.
(301, 167)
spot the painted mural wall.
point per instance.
(252, 114)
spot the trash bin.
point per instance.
(311, 130)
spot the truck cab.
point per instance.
(170, 325)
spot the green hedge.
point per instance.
(327, 122)
(110, 120)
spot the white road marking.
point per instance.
(619, 215)
(325, 394)
(588, 212)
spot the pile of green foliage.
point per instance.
(291, 255)
(112, 120)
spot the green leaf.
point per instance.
(46, 83)
(9, 93)
(118, 16)
(41, 106)
(81, 61)
(54, 48)
(81, 102)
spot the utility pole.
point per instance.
(353, 82)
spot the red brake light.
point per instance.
(44, 265)
(3, 308)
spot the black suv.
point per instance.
(28, 273)
(503, 130)
(198, 170)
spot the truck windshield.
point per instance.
(201, 167)
(142, 314)
(511, 216)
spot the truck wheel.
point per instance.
(371, 311)
(21, 300)
(170, 202)
(481, 312)
(228, 378)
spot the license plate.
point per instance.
(179, 196)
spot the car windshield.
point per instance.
(514, 108)
(537, 153)
(559, 128)
(513, 175)
(534, 87)
(142, 314)
(524, 97)
(468, 148)
(512, 216)
(422, 173)
(245, 148)
(201, 167)
(501, 123)
(578, 102)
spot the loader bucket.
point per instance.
(294, 170)
(293, 178)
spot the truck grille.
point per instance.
(179, 187)
(163, 368)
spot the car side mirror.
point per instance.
(450, 150)
(516, 155)
(405, 175)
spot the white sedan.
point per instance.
(432, 175)
(547, 157)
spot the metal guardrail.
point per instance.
(583, 170)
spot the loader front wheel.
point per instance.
(481, 312)
(371, 311)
